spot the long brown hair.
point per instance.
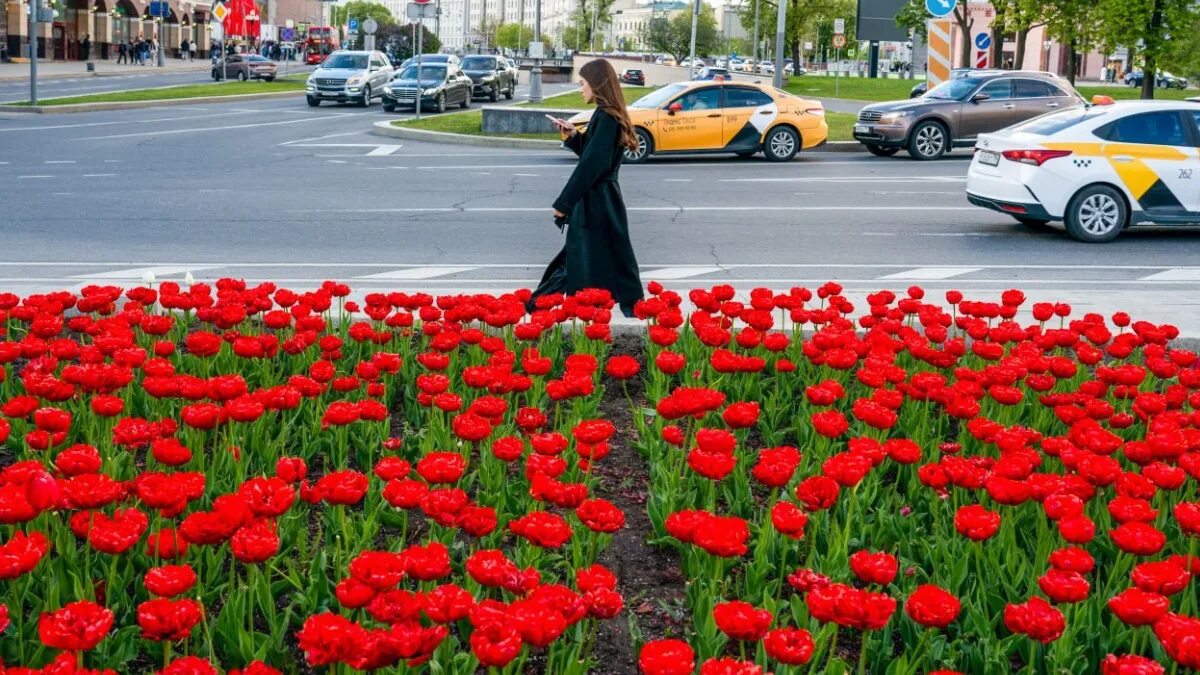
(606, 92)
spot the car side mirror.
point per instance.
(980, 97)
(674, 108)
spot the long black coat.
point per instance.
(598, 253)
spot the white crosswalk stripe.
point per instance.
(931, 273)
(419, 273)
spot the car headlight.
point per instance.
(387, 88)
(354, 80)
(893, 117)
(488, 78)
(431, 91)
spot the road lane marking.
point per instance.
(679, 272)
(1175, 274)
(98, 175)
(414, 273)
(171, 132)
(677, 180)
(526, 175)
(321, 138)
(138, 273)
(35, 176)
(850, 179)
(59, 161)
(105, 124)
(931, 273)
(527, 209)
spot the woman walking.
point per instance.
(597, 253)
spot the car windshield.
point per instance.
(349, 61)
(659, 97)
(478, 63)
(1056, 122)
(427, 73)
(953, 90)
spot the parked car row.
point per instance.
(439, 81)
(1162, 80)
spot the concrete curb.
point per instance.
(128, 105)
(386, 128)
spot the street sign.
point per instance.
(808, 45)
(217, 29)
(940, 8)
(839, 26)
(983, 41)
(536, 50)
(159, 8)
(981, 59)
(839, 41)
(353, 25)
(421, 10)
(220, 11)
(370, 26)
(937, 69)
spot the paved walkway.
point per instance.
(65, 69)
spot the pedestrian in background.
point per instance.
(598, 252)
(122, 51)
(184, 50)
(86, 44)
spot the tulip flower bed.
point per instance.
(254, 480)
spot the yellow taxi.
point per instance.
(726, 117)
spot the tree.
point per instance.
(517, 37)
(397, 40)
(361, 9)
(804, 18)
(587, 15)
(674, 35)
(1022, 17)
(1074, 24)
(1153, 25)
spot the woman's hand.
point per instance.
(559, 214)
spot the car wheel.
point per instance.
(880, 151)
(388, 107)
(241, 76)
(512, 90)
(1032, 223)
(782, 144)
(466, 102)
(494, 93)
(216, 75)
(269, 79)
(366, 97)
(1096, 214)
(440, 106)
(313, 102)
(928, 140)
(645, 147)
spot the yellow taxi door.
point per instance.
(694, 124)
(748, 114)
(1154, 155)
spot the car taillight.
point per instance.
(1034, 157)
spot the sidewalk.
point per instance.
(55, 70)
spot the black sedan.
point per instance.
(633, 76)
(491, 76)
(440, 86)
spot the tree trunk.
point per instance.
(1149, 74)
(964, 27)
(1019, 56)
(1072, 62)
(997, 48)
(1151, 61)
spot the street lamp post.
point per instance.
(162, 41)
(780, 27)
(535, 73)
(755, 32)
(34, 9)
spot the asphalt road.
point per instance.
(276, 190)
(138, 77)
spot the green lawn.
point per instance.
(471, 123)
(229, 88)
(866, 89)
(573, 100)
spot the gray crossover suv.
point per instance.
(349, 77)
(956, 111)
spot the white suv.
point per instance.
(349, 76)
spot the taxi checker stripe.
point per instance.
(1141, 180)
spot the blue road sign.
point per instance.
(353, 25)
(940, 8)
(160, 8)
(983, 40)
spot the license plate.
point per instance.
(988, 157)
(862, 129)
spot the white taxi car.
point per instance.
(1099, 169)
